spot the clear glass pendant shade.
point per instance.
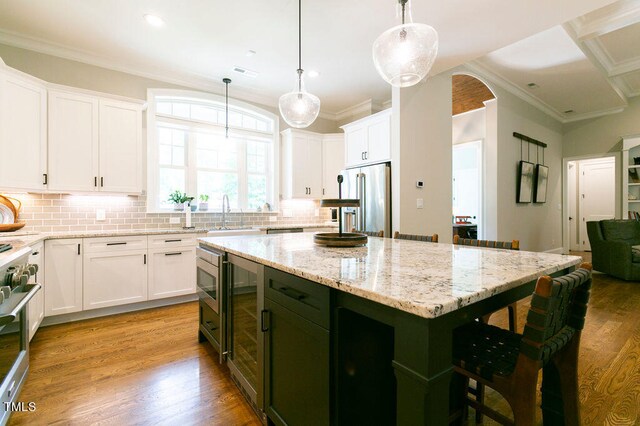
(299, 108)
(404, 55)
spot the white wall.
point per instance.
(421, 150)
(469, 126)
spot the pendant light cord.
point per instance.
(226, 81)
(403, 3)
(299, 45)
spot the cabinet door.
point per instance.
(299, 167)
(36, 304)
(355, 145)
(314, 168)
(63, 269)
(172, 272)
(116, 278)
(379, 139)
(120, 147)
(332, 164)
(73, 142)
(296, 368)
(23, 133)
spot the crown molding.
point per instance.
(623, 13)
(512, 88)
(182, 78)
(594, 114)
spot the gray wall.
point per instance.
(77, 74)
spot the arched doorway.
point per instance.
(474, 121)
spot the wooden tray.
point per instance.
(9, 227)
(335, 239)
(340, 202)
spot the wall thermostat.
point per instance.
(419, 184)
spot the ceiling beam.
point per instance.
(617, 15)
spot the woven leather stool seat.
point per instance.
(486, 350)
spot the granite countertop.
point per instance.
(304, 225)
(425, 279)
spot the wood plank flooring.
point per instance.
(148, 368)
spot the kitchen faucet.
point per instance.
(225, 211)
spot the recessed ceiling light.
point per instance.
(313, 74)
(569, 111)
(245, 72)
(250, 53)
(154, 20)
(532, 85)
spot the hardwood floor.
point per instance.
(139, 368)
(148, 368)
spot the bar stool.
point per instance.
(370, 233)
(509, 362)
(427, 238)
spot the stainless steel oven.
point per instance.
(15, 294)
(209, 278)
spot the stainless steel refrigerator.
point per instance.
(372, 186)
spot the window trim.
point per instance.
(152, 158)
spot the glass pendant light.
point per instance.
(404, 54)
(226, 82)
(299, 108)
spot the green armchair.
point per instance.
(615, 247)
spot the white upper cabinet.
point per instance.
(73, 142)
(23, 131)
(368, 140)
(95, 144)
(333, 163)
(120, 147)
(301, 164)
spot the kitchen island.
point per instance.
(396, 297)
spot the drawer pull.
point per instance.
(294, 294)
(172, 241)
(117, 244)
(177, 253)
(264, 325)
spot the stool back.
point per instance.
(509, 245)
(428, 238)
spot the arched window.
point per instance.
(188, 150)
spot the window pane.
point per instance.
(181, 110)
(257, 191)
(261, 125)
(203, 113)
(171, 146)
(163, 107)
(216, 185)
(248, 122)
(235, 119)
(216, 151)
(164, 155)
(256, 156)
(169, 181)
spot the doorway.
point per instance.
(591, 196)
(467, 182)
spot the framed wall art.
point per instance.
(525, 182)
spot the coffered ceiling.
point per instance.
(588, 67)
(203, 40)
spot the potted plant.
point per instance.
(204, 202)
(178, 198)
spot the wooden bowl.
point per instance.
(335, 239)
(9, 227)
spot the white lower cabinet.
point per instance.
(36, 304)
(63, 269)
(114, 278)
(172, 272)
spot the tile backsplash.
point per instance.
(63, 212)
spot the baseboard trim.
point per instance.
(113, 310)
(557, 250)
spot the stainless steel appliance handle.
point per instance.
(363, 201)
(357, 210)
(11, 316)
(209, 256)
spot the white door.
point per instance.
(23, 137)
(355, 145)
(120, 147)
(115, 278)
(332, 164)
(467, 182)
(597, 194)
(172, 272)
(63, 269)
(572, 194)
(36, 304)
(73, 142)
(378, 140)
